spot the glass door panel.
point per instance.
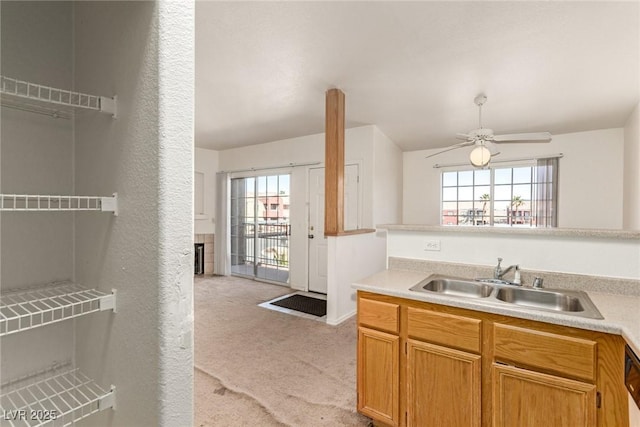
(260, 227)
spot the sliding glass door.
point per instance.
(260, 227)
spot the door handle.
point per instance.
(310, 236)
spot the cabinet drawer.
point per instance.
(563, 355)
(445, 329)
(379, 315)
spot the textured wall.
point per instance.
(176, 96)
(131, 49)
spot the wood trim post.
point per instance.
(334, 164)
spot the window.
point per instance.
(501, 196)
(274, 206)
(285, 207)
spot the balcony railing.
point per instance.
(271, 245)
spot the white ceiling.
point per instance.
(413, 68)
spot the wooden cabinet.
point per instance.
(531, 399)
(379, 360)
(443, 386)
(378, 375)
(442, 375)
(379, 315)
(424, 364)
(445, 329)
(562, 355)
(555, 388)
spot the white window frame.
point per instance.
(492, 186)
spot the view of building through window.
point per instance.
(260, 227)
(496, 196)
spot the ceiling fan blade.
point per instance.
(453, 147)
(493, 149)
(522, 137)
(463, 136)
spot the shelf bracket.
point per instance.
(109, 105)
(108, 400)
(108, 302)
(110, 204)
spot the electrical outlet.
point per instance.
(432, 245)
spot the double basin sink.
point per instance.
(492, 292)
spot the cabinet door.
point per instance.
(530, 399)
(378, 375)
(444, 386)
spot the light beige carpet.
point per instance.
(259, 367)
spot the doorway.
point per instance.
(318, 256)
(260, 227)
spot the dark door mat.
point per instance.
(305, 304)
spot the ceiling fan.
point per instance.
(483, 139)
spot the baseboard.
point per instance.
(341, 318)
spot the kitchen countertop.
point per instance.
(621, 312)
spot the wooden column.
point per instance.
(334, 164)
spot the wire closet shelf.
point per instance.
(37, 202)
(31, 308)
(38, 96)
(58, 397)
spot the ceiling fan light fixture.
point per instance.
(480, 156)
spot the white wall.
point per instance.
(351, 258)
(296, 150)
(631, 210)
(356, 256)
(306, 149)
(143, 52)
(206, 163)
(176, 90)
(532, 252)
(591, 181)
(387, 179)
(35, 158)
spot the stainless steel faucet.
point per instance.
(499, 272)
